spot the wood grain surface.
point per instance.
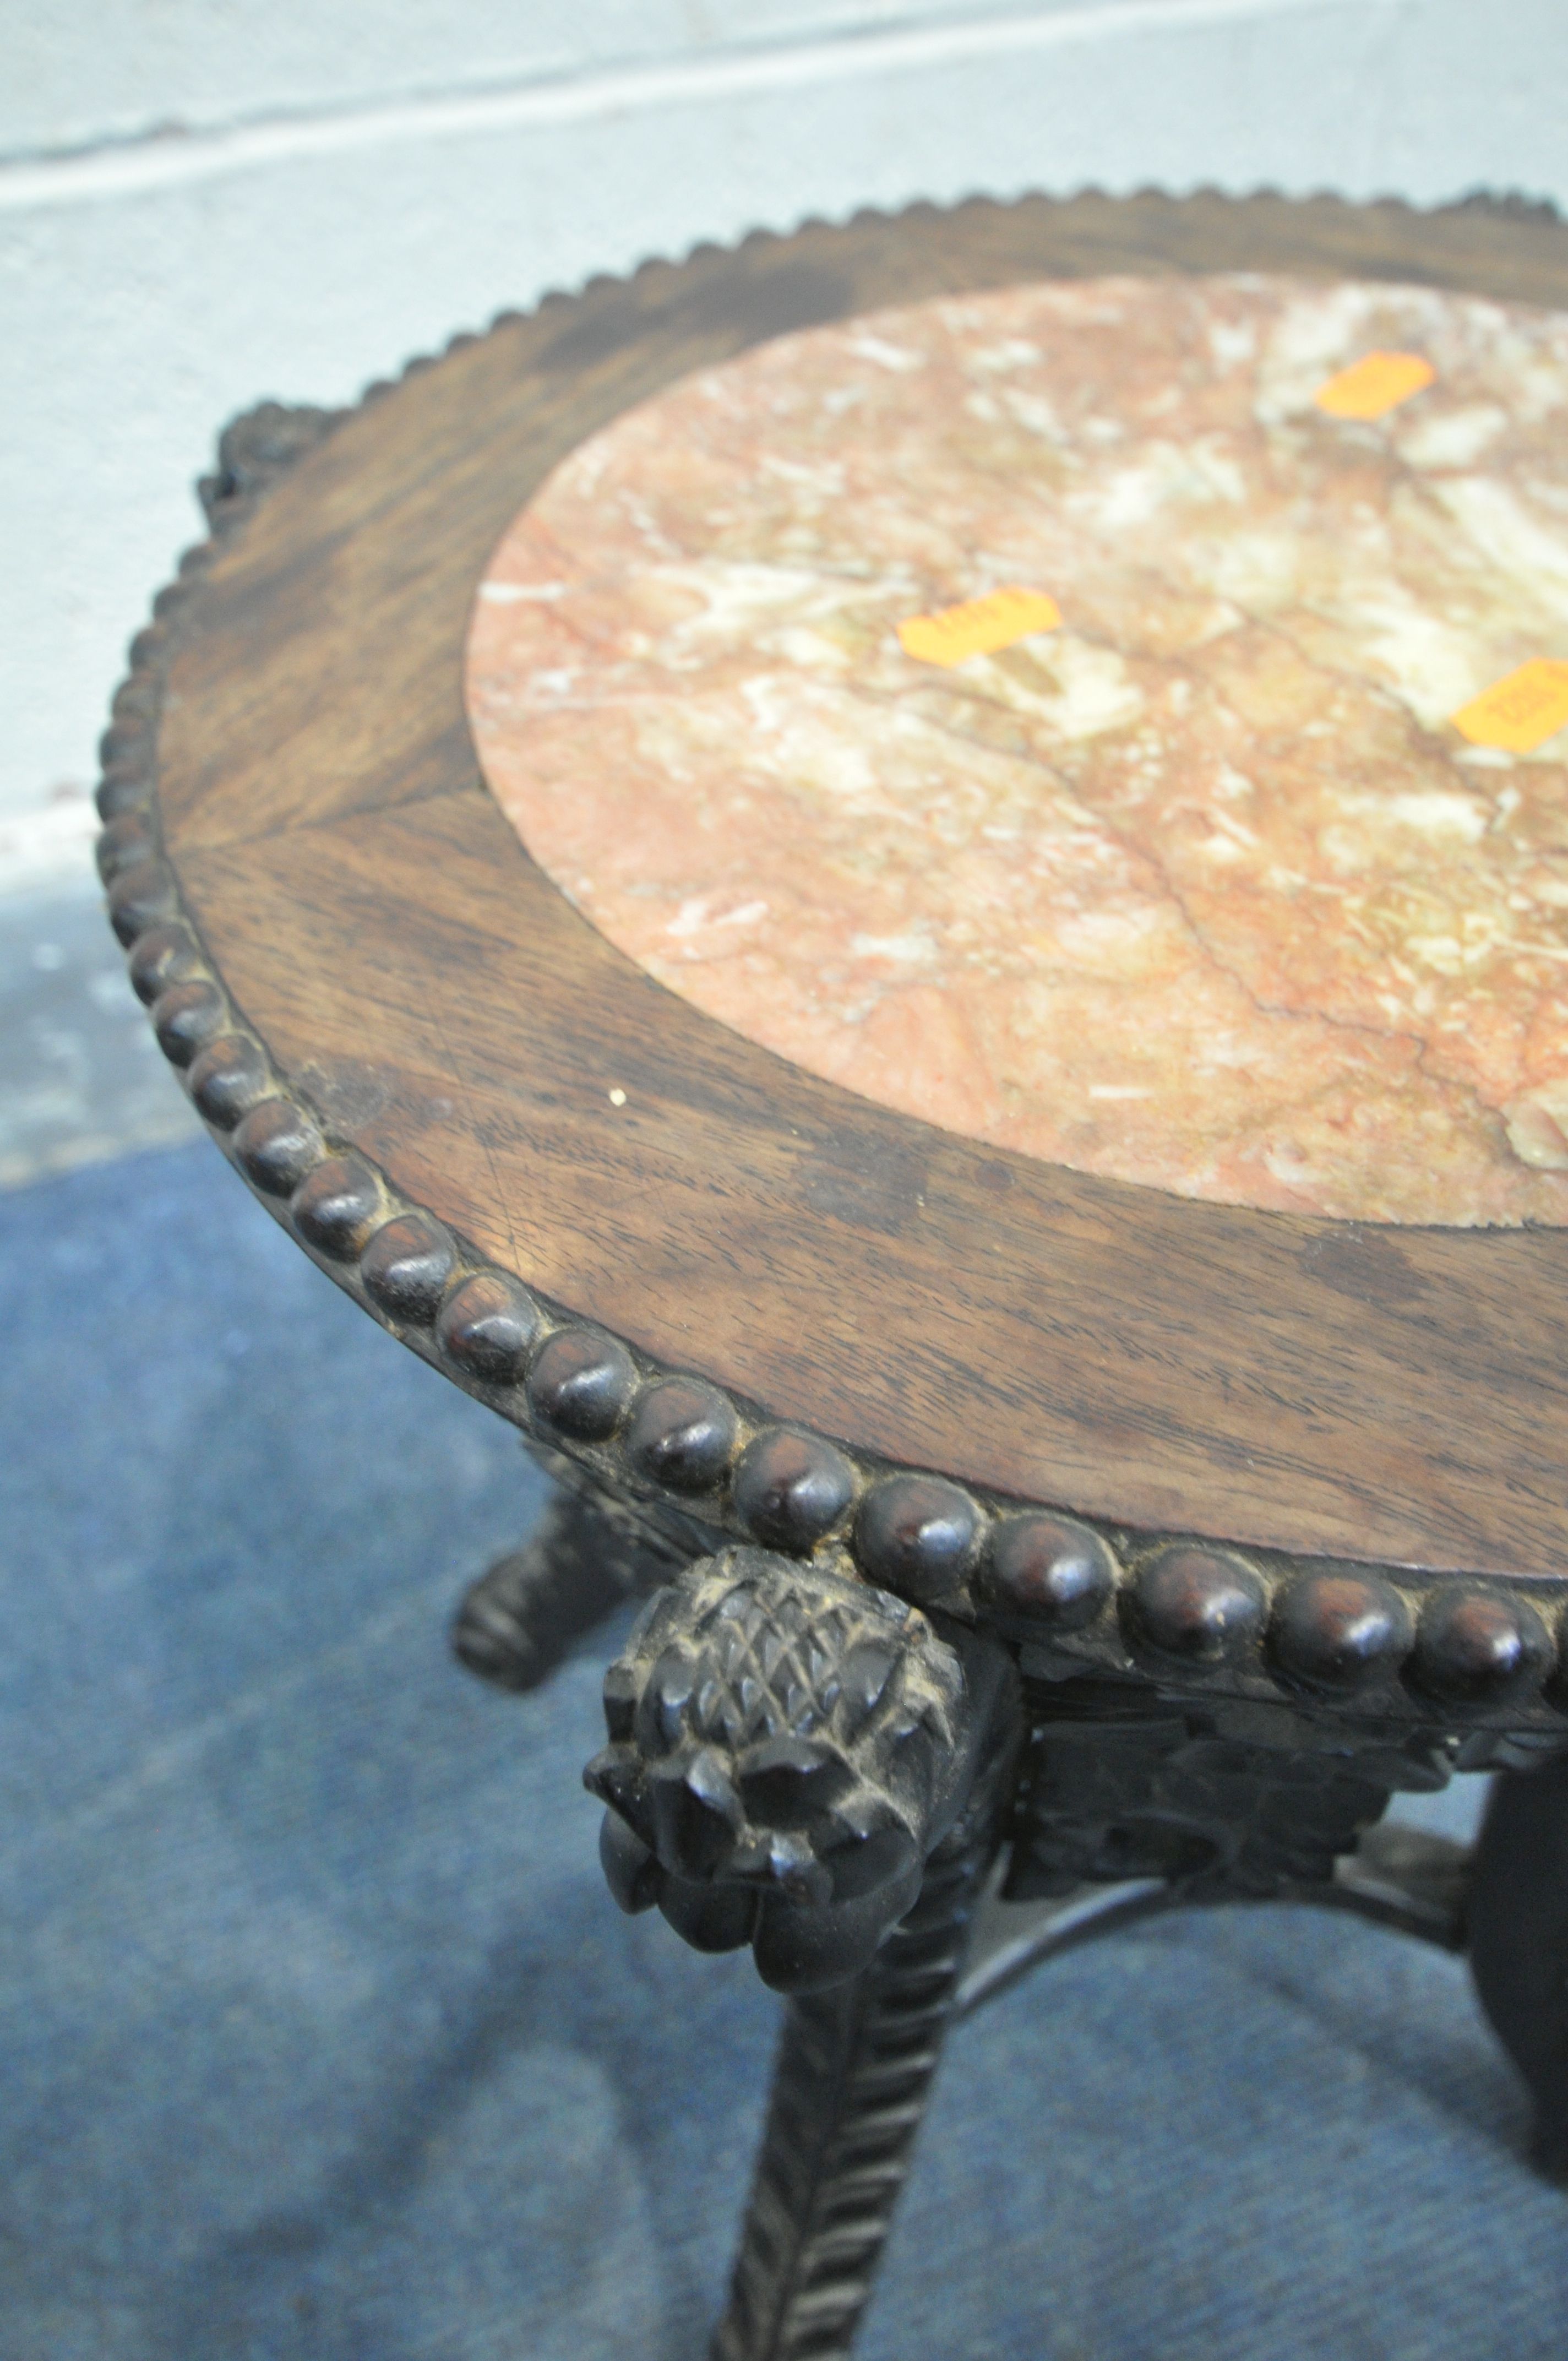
(1394, 1394)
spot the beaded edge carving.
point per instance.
(1076, 1597)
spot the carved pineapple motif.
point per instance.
(787, 1746)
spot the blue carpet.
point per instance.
(319, 2036)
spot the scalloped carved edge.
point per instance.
(1077, 1597)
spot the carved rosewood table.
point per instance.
(907, 891)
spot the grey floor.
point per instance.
(320, 2038)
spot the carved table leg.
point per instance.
(805, 1763)
(585, 1557)
(854, 2069)
(1518, 1940)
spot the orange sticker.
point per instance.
(1521, 711)
(978, 627)
(1375, 384)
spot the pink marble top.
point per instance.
(1202, 888)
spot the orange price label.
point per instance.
(1521, 711)
(977, 628)
(1374, 385)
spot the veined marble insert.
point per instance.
(1201, 889)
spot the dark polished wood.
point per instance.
(1394, 1395)
(779, 1741)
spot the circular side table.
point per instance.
(1048, 1509)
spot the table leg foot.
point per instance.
(1519, 1942)
(579, 1563)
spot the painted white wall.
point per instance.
(204, 203)
(123, 67)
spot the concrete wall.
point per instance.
(202, 204)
